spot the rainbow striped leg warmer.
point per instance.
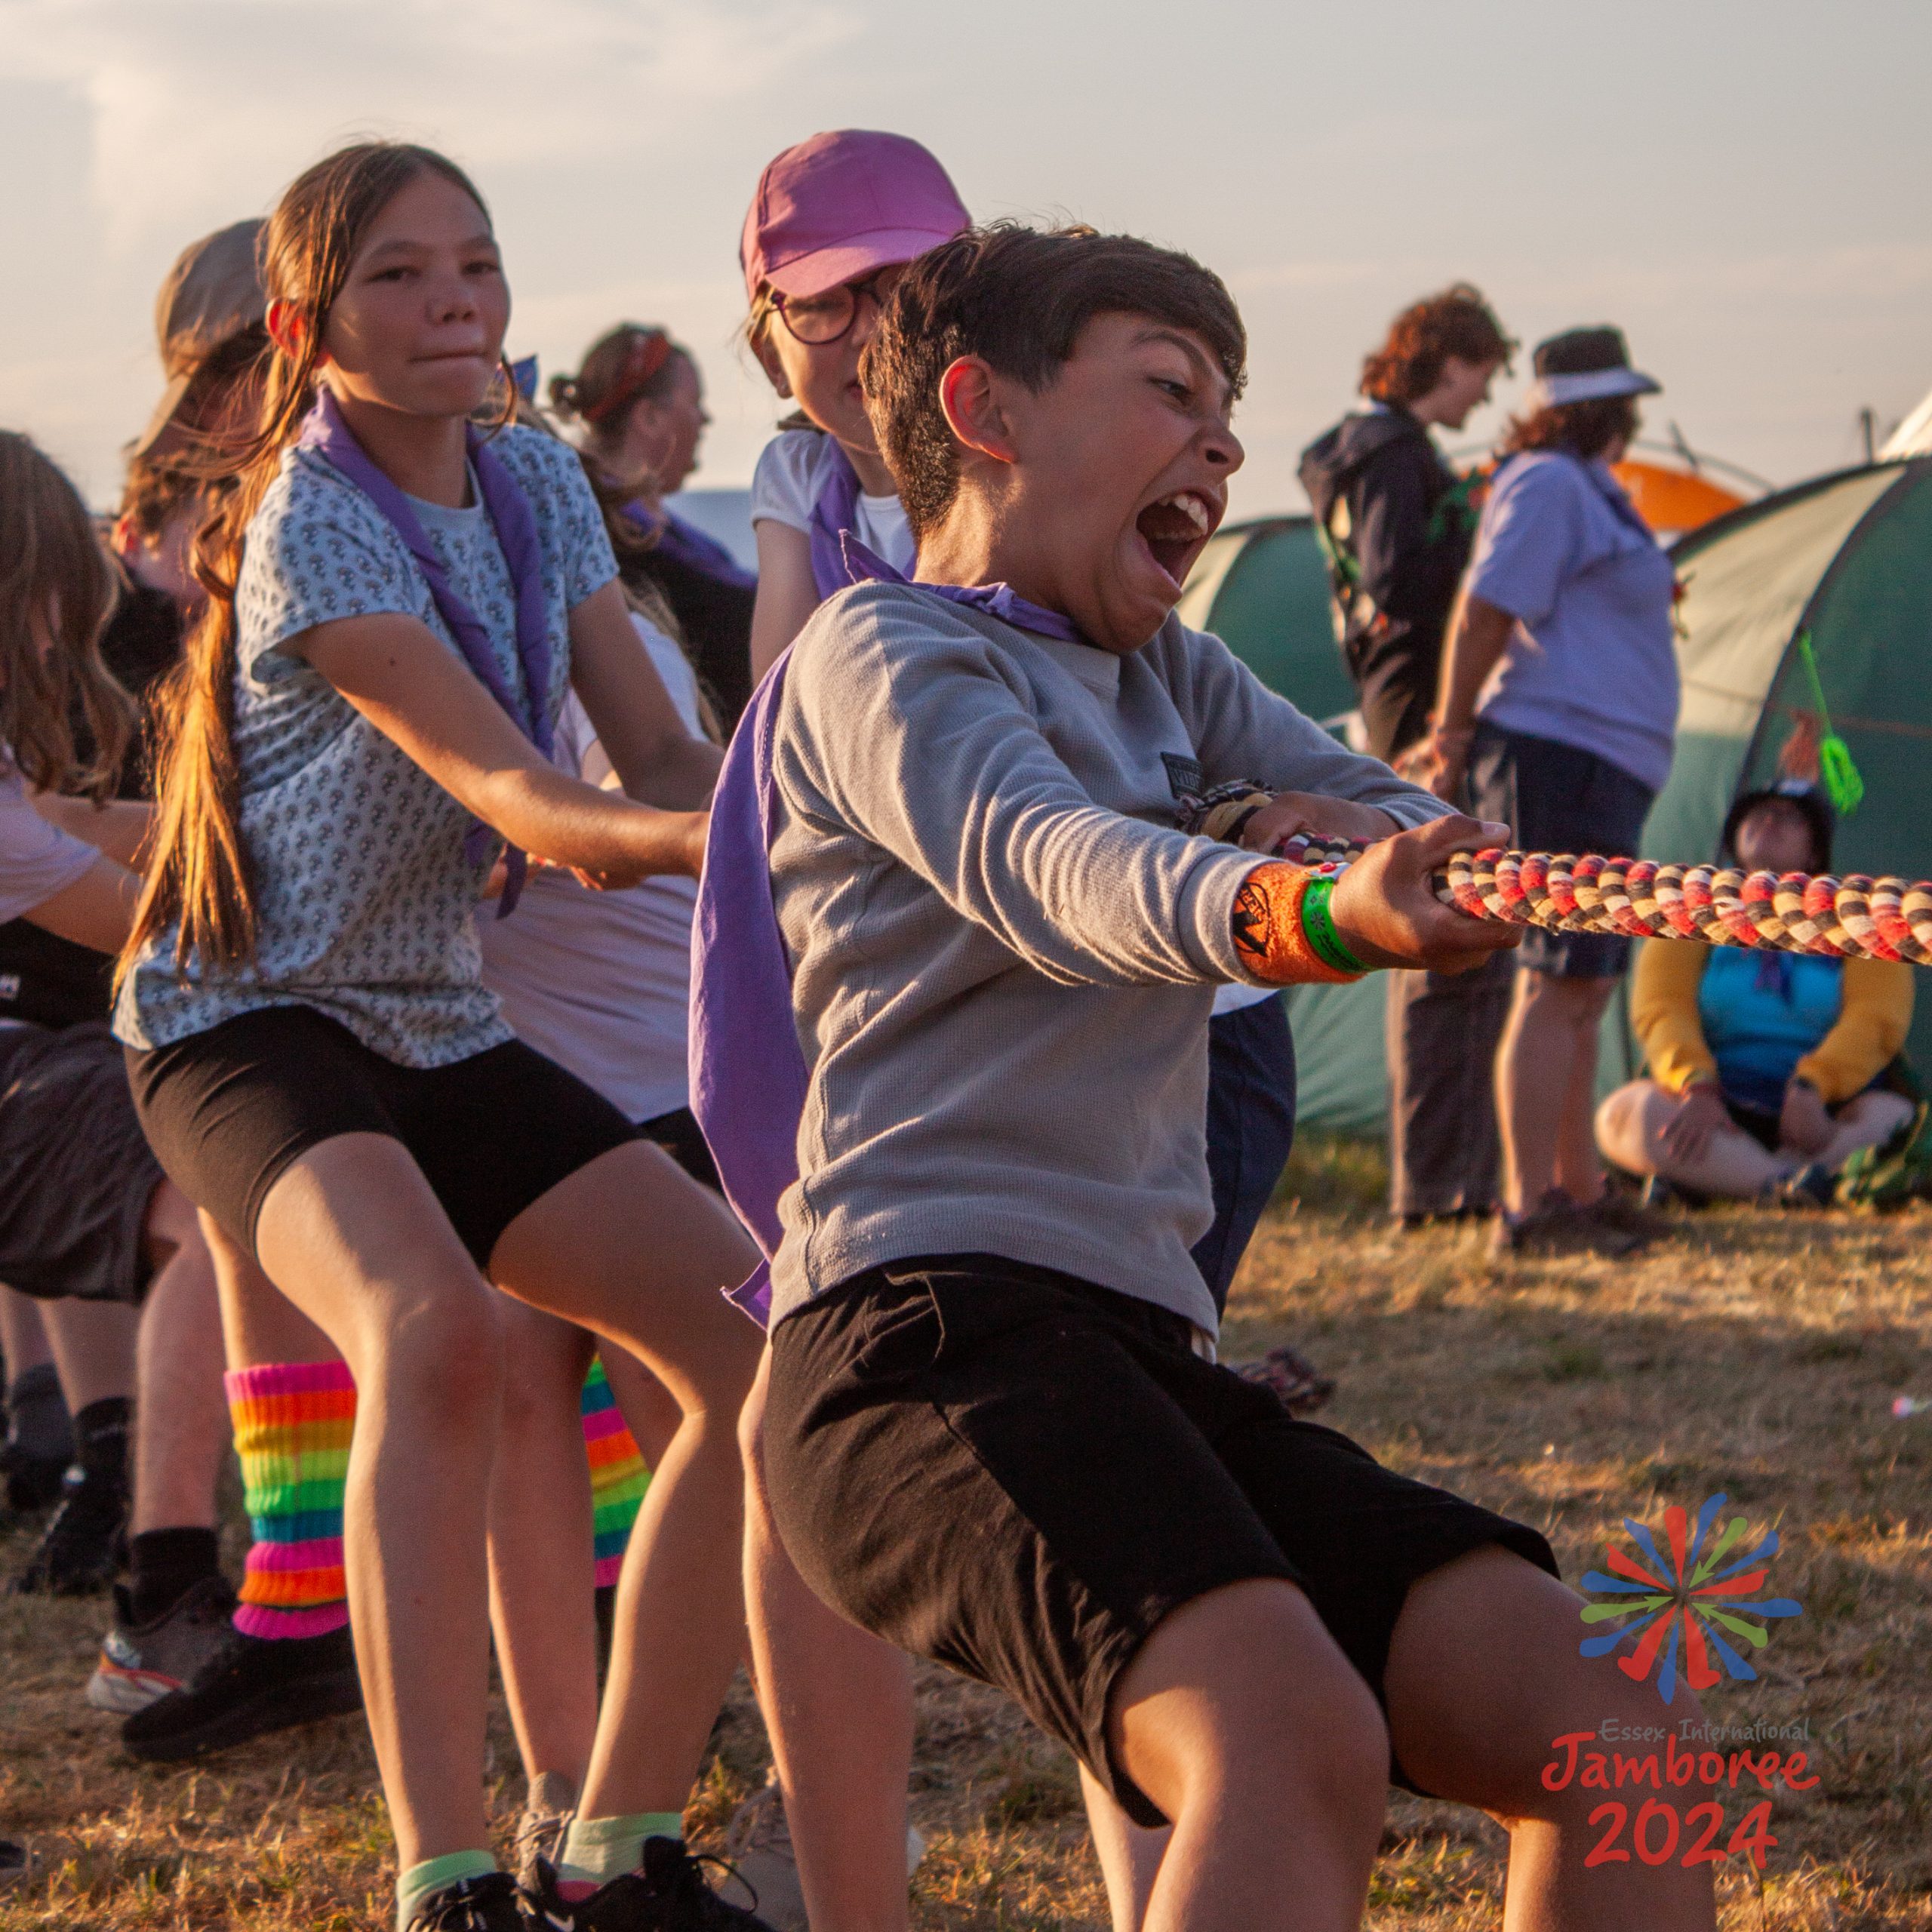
(618, 1477)
(292, 1421)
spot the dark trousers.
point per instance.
(1250, 1131)
(1443, 1031)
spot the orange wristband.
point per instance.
(1268, 933)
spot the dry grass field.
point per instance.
(1753, 1354)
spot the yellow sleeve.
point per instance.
(1663, 1011)
(1872, 1023)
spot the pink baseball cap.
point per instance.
(839, 205)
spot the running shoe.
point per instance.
(82, 1547)
(548, 1808)
(141, 1662)
(1557, 1225)
(33, 1482)
(763, 1866)
(668, 1894)
(247, 1686)
(490, 1903)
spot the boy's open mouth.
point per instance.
(1174, 529)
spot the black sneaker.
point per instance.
(82, 1547)
(249, 1686)
(668, 1894)
(490, 1903)
(33, 1482)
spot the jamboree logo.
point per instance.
(1685, 1596)
(1683, 1604)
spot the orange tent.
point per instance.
(1672, 500)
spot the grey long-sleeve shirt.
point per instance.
(1004, 953)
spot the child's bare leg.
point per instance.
(1869, 1121)
(180, 1415)
(1631, 1125)
(1130, 1854)
(1484, 1676)
(542, 1580)
(1244, 1722)
(838, 1705)
(679, 1626)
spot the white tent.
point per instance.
(1913, 437)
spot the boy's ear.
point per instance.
(969, 394)
(767, 352)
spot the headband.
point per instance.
(645, 357)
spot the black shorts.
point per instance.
(230, 1110)
(1017, 1473)
(75, 1173)
(1559, 797)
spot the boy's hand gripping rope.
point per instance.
(1852, 918)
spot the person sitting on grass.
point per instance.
(995, 1433)
(1768, 1071)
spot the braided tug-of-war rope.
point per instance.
(1853, 918)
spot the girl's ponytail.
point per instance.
(199, 874)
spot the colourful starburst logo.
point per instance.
(1685, 1605)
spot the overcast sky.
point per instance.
(1745, 187)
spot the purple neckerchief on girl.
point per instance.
(835, 516)
(329, 435)
(748, 1075)
(684, 543)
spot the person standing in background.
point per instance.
(640, 404)
(1396, 524)
(1558, 708)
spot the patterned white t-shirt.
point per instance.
(364, 894)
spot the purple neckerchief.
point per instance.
(748, 1076)
(684, 543)
(835, 516)
(997, 600)
(329, 435)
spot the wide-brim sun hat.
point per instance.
(1585, 365)
(840, 205)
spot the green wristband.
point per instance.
(1319, 925)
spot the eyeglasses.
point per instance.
(818, 319)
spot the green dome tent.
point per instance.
(1845, 559)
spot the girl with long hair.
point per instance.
(88, 1226)
(398, 603)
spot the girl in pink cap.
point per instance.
(833, 225)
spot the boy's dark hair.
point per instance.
(1017, 297)
(1456, 322)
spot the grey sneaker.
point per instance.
(763, 1866)
(140, 1662)
(547, 1808)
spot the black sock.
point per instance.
(164, 1565)
(37, 1417)
(100, 1441)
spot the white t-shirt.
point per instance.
(37, 859)
(791, 472)
(601, 981)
